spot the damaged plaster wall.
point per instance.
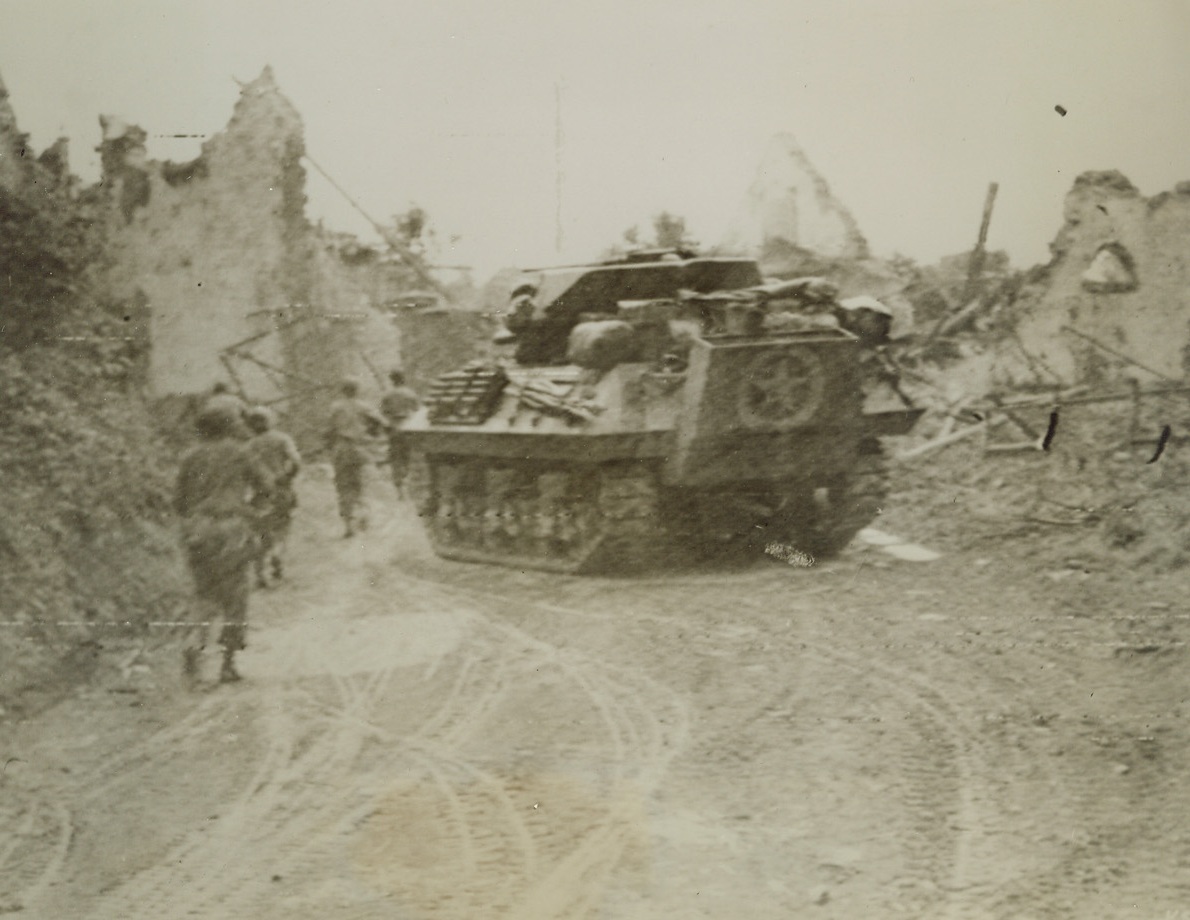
(204, 242)
(221, 250)
(1120, 274)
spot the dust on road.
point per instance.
(420, 739)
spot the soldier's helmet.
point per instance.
(216, 421)
(349, 386)
(259, 418)
(867, 318)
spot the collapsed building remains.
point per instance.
(236, 284)
(1115, 298)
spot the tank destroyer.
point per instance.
(657, 403)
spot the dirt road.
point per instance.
(966, 738)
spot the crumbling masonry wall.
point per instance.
(1120, 274)
(205, 242)
(221, 251)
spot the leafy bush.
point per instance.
(46, 242)
(87, 549)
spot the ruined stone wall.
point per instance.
(1120, 274)
(221, 251)
(208, 242)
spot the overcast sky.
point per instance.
(908, 107)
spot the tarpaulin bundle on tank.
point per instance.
(546, 396)
(566, 293)
(805, 290)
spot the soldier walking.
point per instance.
(216, 485)
(353, 425)
(396, 406)
(274, 453)
(221, 398)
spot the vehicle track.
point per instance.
(33, 853)
(563, 868)
(358, 781)
(950, 792)
(296, 809)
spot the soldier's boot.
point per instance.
(228, 673)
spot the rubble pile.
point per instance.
(1054, 396)
(1087, 473)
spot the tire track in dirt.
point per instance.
(484, 807)
(285, 810)
(33, 853)
(1080, 847)
(948, 791)
(119, 774)
(285, 801)
(966, 829)
(931, 763)
(281, 810)
(944, 775)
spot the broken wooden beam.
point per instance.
(949, 439)
(1011, 447)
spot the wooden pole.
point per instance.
(978, 254)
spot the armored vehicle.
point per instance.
(658, 403)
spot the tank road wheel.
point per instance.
(574, 519)
(628, 532)
(841, 508)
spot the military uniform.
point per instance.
(540, 338)
(216, 484)
(396, 406)
(353, 424)
(274, 453)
